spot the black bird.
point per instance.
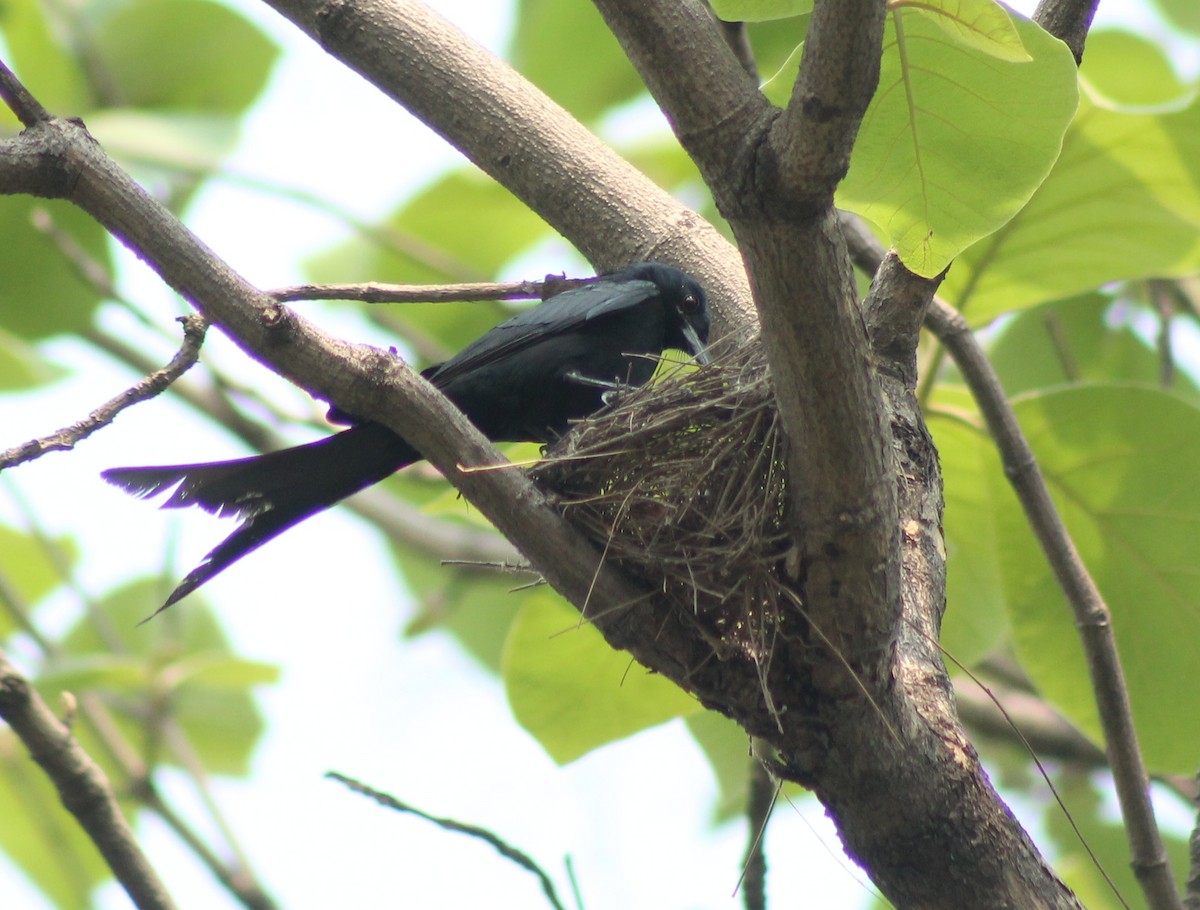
(524, 381)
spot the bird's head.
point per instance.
(687, 315)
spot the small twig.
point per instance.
(374, 292)
(506, 850)
(193, 337)
(492, 565)
(82, 786)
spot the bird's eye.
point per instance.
(691, 304)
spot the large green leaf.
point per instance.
(1129, 70)
(1122, 202)
(41, 294)
(1073, 341)
(1120, 461)
(572, 691)
(185, 54)
(179, 662)
(566, 50)
(961, 130)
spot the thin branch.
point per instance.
(764, 789)
(1092, 616)
(82, 786)
(374, 292)
(505, 849)
(194, 328)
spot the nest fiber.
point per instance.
(681, 483)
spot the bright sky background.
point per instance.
(416, 719)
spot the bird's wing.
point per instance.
(559, 315)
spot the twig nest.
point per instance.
(681, 483)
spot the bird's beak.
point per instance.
(698, 350)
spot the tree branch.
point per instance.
(154, 384)
(82, 785)
(1067, 20)
(611, 211)
(373, 292)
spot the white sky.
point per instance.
(416, 719)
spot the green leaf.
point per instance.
(1072, 341)
(476, 607)
(976, 620)
(28, 570)
(187, 669)
(727, 748)
(1126, 69)
(1183, 14)
(778, 88)
(956, 140)
(572, 691)
(193, 142)
(1106, 838)
(437, 245)
(777, 46)
(21, 367)
(40, 837)
(979, 24)
(46, 67)
(553, 38)
(185, 54)
(1122, 202)
(42, 294)
(1120, 463)
(759, 10)
(218, 670)
(114, 672)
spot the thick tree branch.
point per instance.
(611, 211)
(853, 431)
(82, 785)
(777, 192)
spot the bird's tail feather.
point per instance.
(270, 492)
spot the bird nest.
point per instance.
(681, 483)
